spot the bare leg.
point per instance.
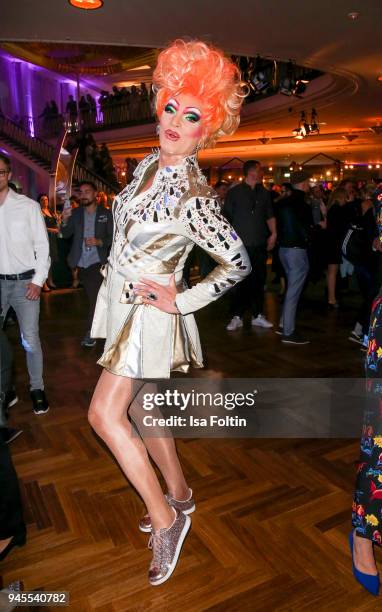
(50, 280)
(75, 280)
(4, 544)
(162, 450)
(331, 280)
(363, 555)
(108, 417)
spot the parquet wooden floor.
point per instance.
(270, 530)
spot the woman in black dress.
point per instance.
(336, 225)
(51, 222)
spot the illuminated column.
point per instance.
(28, 73)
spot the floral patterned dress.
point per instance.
(367, 503)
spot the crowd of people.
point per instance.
(311, 231)
(126, 104)
(306, 229)
(118, 107)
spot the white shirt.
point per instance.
(24, 243)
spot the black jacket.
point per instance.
(248, 210)
(75, 228)
(294, 221)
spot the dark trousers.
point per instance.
(5, 372)
(366, 281)
(249, 294)
(11, 518)
(91, 280)
(11, 514)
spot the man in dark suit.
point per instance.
(91, 226)
(248, 207)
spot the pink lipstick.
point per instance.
(171, 135)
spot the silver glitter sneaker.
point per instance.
(187, 506)
(166, 545)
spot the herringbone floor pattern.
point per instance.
(270, 530)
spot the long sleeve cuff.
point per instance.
(41, 275)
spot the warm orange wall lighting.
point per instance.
(87, 5)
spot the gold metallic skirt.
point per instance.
(152, 343)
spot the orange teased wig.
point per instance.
(203, 71)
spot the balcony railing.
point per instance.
(32, 145)
(81, 173)
(111, 117)
(45, 152)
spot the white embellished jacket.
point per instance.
(154, 232)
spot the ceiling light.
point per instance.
(378, 166)
(87, 5)
(256, 76)
(259, 83)
(346, 167)
(299, 87)
(370, 166)
(351, 166)
(314, 127)
(302, 129)
(270, 168)
(353, 15)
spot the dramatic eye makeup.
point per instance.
(171, 106)
(192, 114)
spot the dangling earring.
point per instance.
(157, 129)
(198, 147)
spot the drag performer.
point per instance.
(367, 504)
(144, 310)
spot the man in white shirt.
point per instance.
(24, 266)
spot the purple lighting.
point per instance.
(27, 89)
(12, 68)
(28, 100)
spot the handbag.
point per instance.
(355, 246)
